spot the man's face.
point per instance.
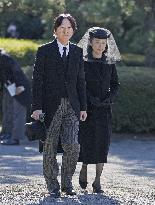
(64, 32)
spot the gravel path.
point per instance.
(128, 177)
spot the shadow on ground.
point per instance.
(135, 154)
(82, 199)
(19, 161)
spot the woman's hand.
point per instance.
(83, 115)
(35, 114)
(19, 90)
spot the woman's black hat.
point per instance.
(100, 33)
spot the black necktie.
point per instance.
(64, 57)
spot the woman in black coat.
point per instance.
(101, 54)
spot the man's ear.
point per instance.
(54, 34)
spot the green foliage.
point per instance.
(123, 18)
(131, 22)
(32, 17)
(54, 8)
(133, 110)
(22, 50)
(132, 59)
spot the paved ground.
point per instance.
(128, 177)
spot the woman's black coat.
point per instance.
(48, 76)
(94, 136)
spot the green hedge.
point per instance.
(134, 108)
(131, 59)
(22, 50)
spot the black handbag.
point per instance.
(36, 130)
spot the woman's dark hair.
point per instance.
(58, 21)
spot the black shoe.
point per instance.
(82, 184)
(55, 193)
(5, 136)
(69, 191)
(10, 142)
(97, 189)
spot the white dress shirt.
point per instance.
(61, 48)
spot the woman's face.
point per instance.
(98, 46)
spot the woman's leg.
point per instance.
(83, 176)
(96, 184)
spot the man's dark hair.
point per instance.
(58, 21)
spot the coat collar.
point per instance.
(54, 45)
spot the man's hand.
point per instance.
(35, 114)
(83, 115)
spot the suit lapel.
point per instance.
(55, 56)
(55, 51)
(72, 57)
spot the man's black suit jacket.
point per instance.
(48, 76)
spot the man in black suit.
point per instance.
(59, 91)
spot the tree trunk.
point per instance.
(148, 7)
(150, 29)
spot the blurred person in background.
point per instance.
(16, 100)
